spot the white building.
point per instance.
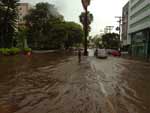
(23, 10)
(125, 16)
(139, 15)
(139, 27)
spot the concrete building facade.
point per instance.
(125, 15)
(23, 10)
(139, 27)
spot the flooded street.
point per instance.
(125, 84)
(56, 83)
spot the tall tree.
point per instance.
(89, 20)
(74, 34)
(8, 21)
(111, 40)
(86, 18)
(97, 40)
(40, 21)
(48, 30)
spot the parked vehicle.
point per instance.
(115, 53)
(109, 51)
(100, 53)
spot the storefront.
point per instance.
(149, 44)
(140, 43)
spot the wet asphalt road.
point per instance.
(124, 83)
(56, 83)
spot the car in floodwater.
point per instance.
(101, 53)
(116, 53)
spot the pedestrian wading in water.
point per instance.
(79, 55)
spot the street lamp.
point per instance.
(85, 4)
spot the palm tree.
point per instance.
(85, 3)
(89, 20)
(86, 19)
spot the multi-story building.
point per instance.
(125, 16)
(23, 10)
(139, 27)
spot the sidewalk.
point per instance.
(144, 60)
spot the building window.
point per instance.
(137, 4)
(144, 9)
(143, 20)
(132, 1)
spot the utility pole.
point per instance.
(120, 18)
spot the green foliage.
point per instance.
(5, 51)
(21, 37)
(74, 34)
(27, 49)
(111, 41)
(97, 40)
(11, 51)
(14, 51)
(89, 19)
(8, 20)
(48, 30)
(41, 21)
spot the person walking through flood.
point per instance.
(79, 55)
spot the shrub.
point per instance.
(5, 51)
(27, 50)
(14, 51)
(11, 51)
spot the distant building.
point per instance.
(125, 15)
(23, 10)
(139, 27)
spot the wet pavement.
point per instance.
(125, 83)
(57, 83)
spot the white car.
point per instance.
(101, 53)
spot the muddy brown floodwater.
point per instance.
(48, 83)
(57, 83)
(126, 84)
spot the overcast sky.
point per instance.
(104, 11)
